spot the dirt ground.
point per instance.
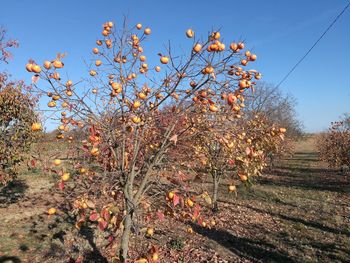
(299, 211)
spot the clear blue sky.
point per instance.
(279, 32)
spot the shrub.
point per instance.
(334, 145)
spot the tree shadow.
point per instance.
(303, 221)
(255, 250)
(11, 259)
(95, 255)
(308, 178)
(12, 192)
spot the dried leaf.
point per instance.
(196, 211)
(35, 78)
(90, 204)
(207, 199)
(174, 139)
(160, 215)
(61, 185)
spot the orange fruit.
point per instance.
(51, 104)
(57, 64)
(147, 31)
(164, 59)
(47, 64)
(57, 162)
(65, 176)
(52, 211)
(29, 67)
(197, 48)
(171, 195)
(136, 119)
(189, 33)
(36, 126)
(136, 104)
(150, 232)
(216, 35)
(213, 108)
(36, 69)
(189, 202)
(232, 188)
(98, 63)
(142, 95)
(95, 151)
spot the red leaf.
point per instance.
(176, 200)
(105, 214)
(110, 239)
(102, 225)
(61, 185)
(196, 211)
(33, 163)
(160, 215)
(231, 162)
(94, 216)
(85, 148)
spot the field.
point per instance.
(299, 211)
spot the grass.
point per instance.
(296, 212)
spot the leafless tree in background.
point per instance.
(277, 106)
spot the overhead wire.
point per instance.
(313, 46)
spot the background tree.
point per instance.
(17, 117)
(334, 145)
(276, 106)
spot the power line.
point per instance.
(318, 40)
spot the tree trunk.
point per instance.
(216, 179)
(123, 252)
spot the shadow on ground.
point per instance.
(12, 192)
(307, 223)
(254, 250)
(10, 259)
(304, 175)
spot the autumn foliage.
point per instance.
(17, 115)
(334, 145)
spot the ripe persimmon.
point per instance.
(36, 126)
(36, 69)
(197, 48)
(164, 59)
(189, 33)
(147, 31)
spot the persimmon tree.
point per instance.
(229, 145)
(18, 119)
(334, 145)
(133, 113)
